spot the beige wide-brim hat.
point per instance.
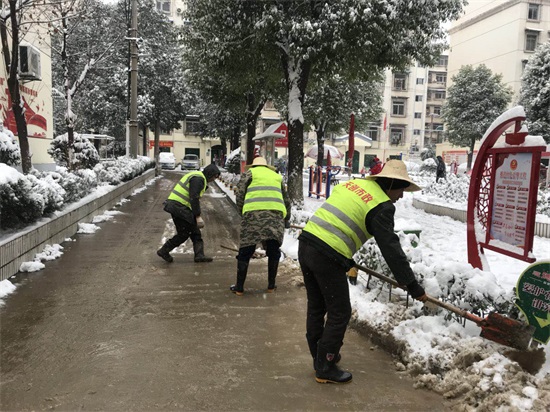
(396, 169)
(259, 161)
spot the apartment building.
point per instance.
(500, 34)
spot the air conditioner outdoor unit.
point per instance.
(29, 63)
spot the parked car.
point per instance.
(167, 160)
(190, 161)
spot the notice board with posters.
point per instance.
(513, 198)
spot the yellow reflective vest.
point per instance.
(264, 192)
(340, 221)
(180, 192)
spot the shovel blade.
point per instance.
(506, 331)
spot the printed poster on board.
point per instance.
(511, 198)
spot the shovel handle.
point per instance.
(431, 299)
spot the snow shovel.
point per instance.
(495, 327)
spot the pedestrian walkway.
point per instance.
(110, 326)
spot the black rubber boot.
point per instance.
(198, 248)
(242, 270)
(272, 266)
(326, 370)
(164, 252)
(312, 344)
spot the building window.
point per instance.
(418, 115)
(437, 110)
(192, 127)
(416, 132)
(399, 81)
(164, 6)
(419, 80)
(531, 40)
(397, 135)
(439, 95)
(441, 78)
(533, 13)
(443, 61)
(372, 132)
(398, 107)
(418, 98)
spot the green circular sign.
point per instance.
(533, 298)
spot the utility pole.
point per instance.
(133, 122)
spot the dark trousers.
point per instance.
(327, 294)
(184, 231)
(272, 251)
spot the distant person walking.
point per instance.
(356, 211)
(375, 166)
(363, 172)
(262, 201)
(441, 170)
(184, 206)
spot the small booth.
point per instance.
(268, 140)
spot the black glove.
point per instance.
(287, 224)
(417, 291)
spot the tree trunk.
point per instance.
(470, 154)
(320, 131)
(296, 85)
(69, 121)
(156, 123)
(253, 110)
(145, 145)
(11, 61)
(235, 138)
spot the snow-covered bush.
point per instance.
(427, 153)
(45, 185)
(455, 188)
(233, 164)
(122, 169)
(26, 198)
(429, 165)
(85, 154)
(10, 153)
(543, 202)
(19, 205)
(442, 282)
(76, 184)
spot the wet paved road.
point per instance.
(110, 326)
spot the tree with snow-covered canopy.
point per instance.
(535, 92)
(332, 99)
(76, 49)
(476, 98)
(162, 99)
(242, 77)
(348, 37)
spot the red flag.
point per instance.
(385, 122)
(351, 140)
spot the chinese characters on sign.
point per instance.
(510, 198)
(533, 293)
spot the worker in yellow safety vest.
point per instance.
(262, 201)
(184, 206)
(355, 211)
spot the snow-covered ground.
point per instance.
(441, 353)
